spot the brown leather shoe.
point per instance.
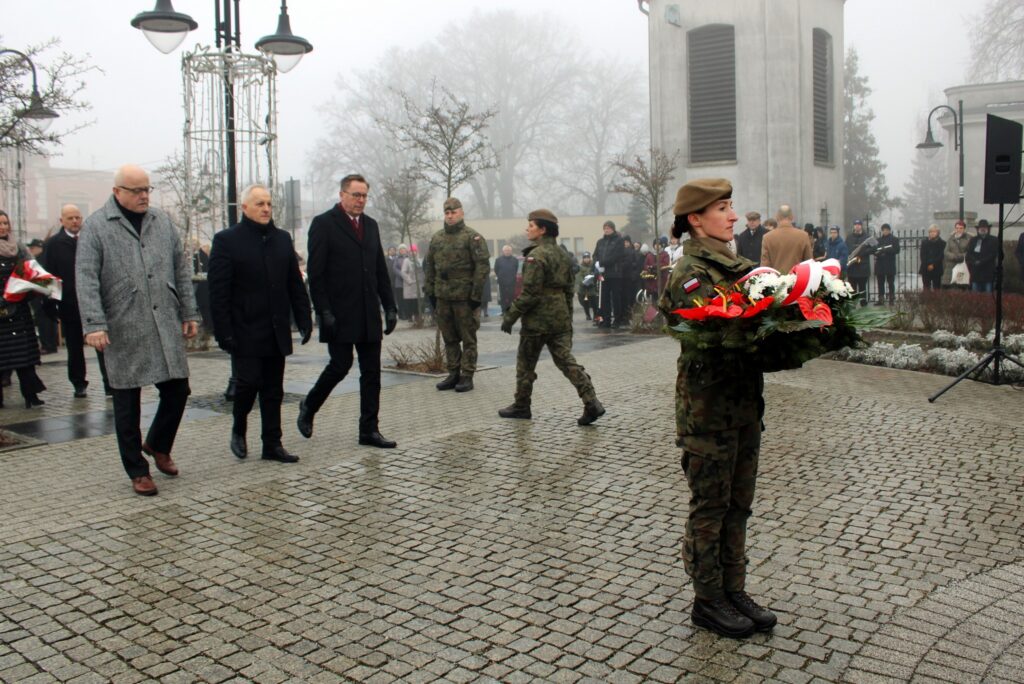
(164, 462)
(144, 485)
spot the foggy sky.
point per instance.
(911, 50)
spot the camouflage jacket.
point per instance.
(545, 304)
(457, 264)
(710, 396)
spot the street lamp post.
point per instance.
(930, 146)
(40, 114)
(166, 29)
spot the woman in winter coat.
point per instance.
(412, 283)
(954, 253)
(19, 348)
(932, 251)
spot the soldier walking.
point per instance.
(455, 270)
(545, 305)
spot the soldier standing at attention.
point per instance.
(718, 421)
(455, 269)
(545, 305)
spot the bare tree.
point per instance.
(447, 137)
(605, 114)
(997, 51)
(403, 202)
(60, 88)
(193, 195)
(646, 179)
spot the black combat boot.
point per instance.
(515, 411)
(762, 618)
(465, 383)
(592, 410)
(721, 617)
(450, 382)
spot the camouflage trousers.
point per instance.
(560, 347)
(458, 323)
(721, 468)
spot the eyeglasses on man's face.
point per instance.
(137, 191)
(356, 195)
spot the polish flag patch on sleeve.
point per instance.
(691, 285)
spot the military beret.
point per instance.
(543, 215)
(452, 203)
(699, 194)
(39, 243)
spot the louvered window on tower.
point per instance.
(821, 54)
(712, 101)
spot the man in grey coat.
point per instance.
(137, 305)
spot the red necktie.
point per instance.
(357, 228)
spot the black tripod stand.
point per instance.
(997, 353)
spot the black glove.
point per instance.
(506, 325)
(473, 304)
(228, 344)
(433, 302)
(51, 308)
(327, 326)
(306, 334)
(391, 320)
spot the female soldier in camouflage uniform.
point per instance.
(718, 421)
(545, 305)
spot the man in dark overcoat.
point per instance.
(609, 258)
(59, 259)
(255, 289)
(349, 282)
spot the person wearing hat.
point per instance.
(885, 264)
(456, 267)
(545, 306)
(719, 407)
(748, 242)
(858, 268)
(787, 245)
(42, 312)
(586, 286)
(981, 258)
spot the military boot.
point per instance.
(515, 411)
(721, 617)
(762, 618)
(592, 410)
(465, 383)
(450, 382)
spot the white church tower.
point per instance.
(752, 90)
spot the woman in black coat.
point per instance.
(19, 348)
(932, 249)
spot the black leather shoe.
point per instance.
(278, 453)
(448, 383)
(592, 410)
(33, 400)
(514, 411)
(238, 445)
(762, 618)
(375, 439)
(465, 384)
(80, 390)
(721, 617)
(305, 420)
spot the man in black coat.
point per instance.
(885, 264)
(609, 258)
(858, 268)
(506, 268)
(748, 242)
(255, 289)
(58, 258)
(982, 251)
(349, 281)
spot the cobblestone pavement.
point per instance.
(886, 534)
